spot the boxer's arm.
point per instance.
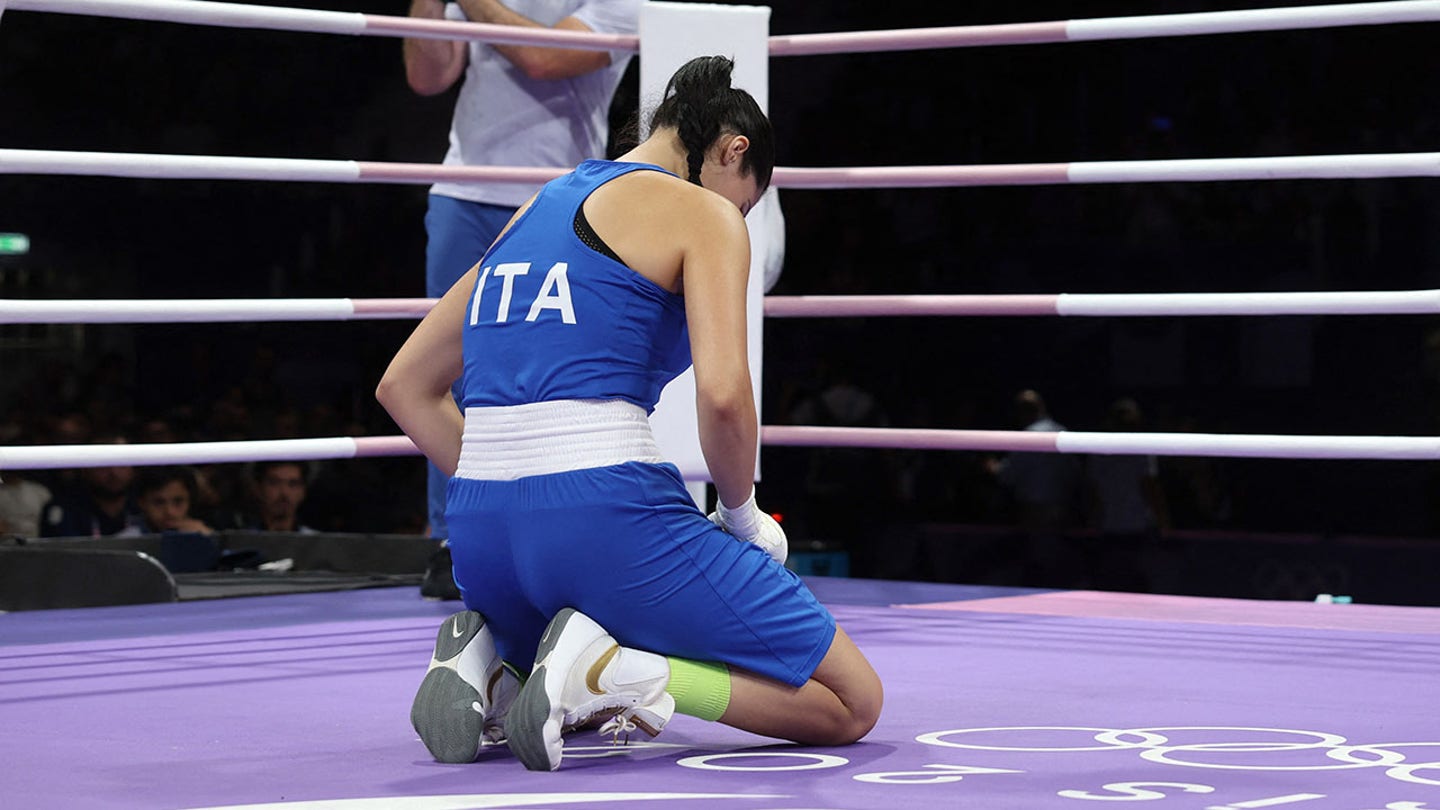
(415, 389)
(716, 276)
(716, 269)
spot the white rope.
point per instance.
(137, 455)
(239, 15)
(1157, 444)
(1266, 19)
(236, 15)
(1111, 28)
(65, 456)
(257, 310)
(1406, 302)
(1253, 446)
(119, 164)
(211, 311)
(1423, 164)
(175, 167)
(228, 15)
(178, 311)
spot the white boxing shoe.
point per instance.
(467, 692)
(580, 673)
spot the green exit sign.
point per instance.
(14, 244)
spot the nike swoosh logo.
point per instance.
(455, 631)
(592, 678)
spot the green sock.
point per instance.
(700, 688)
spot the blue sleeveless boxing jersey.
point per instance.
(551, 318)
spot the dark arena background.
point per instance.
(1273, 640)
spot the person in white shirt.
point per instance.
(518, 105)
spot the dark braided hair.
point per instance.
(700, 103)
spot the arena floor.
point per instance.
(996, 698)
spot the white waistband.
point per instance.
(503, 443)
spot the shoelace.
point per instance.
(617, 725)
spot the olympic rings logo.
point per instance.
(1191, 747)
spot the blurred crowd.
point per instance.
(102, 406)
(1338, 91)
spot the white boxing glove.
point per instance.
(746, 522)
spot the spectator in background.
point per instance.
(279, 492)
(1045, 491)
(165, 495)
(100, 502)
(1128, 509)
(849, 492)
(1198, 488)
(64, 427)
(22, 501)
(518, 106)
(1043, 486)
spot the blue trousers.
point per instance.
(459, 232)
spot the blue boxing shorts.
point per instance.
(626, 546)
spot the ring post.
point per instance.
(670, 35)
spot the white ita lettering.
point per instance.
(554, 292)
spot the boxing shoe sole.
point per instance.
(535, 735)
(446, 712)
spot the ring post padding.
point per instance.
(670, 35)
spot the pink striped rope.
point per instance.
(430, 173)
(965, 36)
(1000, 441)
(381, 25)
(997, 441)
(393, 307)
(1017, 174)
(372, 446)
(1418, 164)
(237, 15)
(1396, 302)
(850, 306)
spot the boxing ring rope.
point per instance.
(261, 310)
(63, 456)
(209, 167)
(235, 15)
(1097, 29)
(1272, 168)
(1407, 302)
(252, 310)
(1412, 448)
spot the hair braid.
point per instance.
(698, 129)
